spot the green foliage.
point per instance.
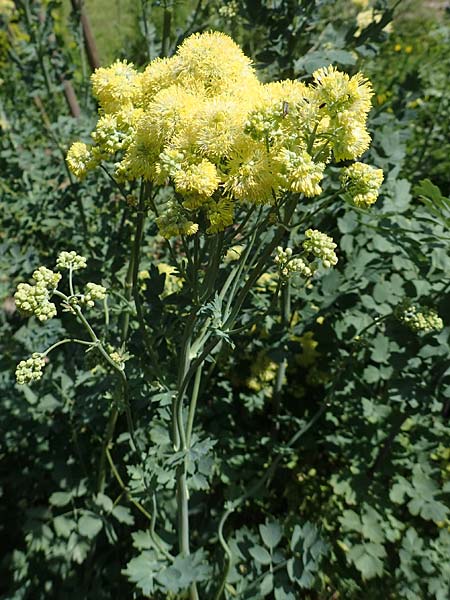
(357, 505)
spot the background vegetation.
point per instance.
(358, 507)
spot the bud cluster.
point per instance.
(419, 318)
(289, 265)
(94, 292)
(35, 299)
(322, 246)
(362, 183)
(31, 369)
(67, 260)
(229, 10)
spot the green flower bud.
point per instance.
(35, 299)
(93, 292)
(30, 370)
(288, 265)
(67, 260)
(419, 318)
(322, 246)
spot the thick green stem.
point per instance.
(136, 257)
(285, 319)
(193, 405)
(181, 474)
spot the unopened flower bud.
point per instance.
(67, 260)
(30, 370)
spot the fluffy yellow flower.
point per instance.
(302, 174)
(213, 63)
(309, 354)
(252, 175)
(217, 124)
(338, 92)
(156, 76)
(198, 178)
(362, 183)
(80, 159)
(116, 86)
(350, 138)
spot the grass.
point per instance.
(114, 23)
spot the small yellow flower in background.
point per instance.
(263, 373)
(173, 282)
(267, 282)
(142, 277)
(309, 353)
(366, 17)
(408, 49)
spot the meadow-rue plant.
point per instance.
(221, 415)
(229, 167)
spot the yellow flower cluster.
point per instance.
(361, 183)
(7, 9)
(263, 373)
(202, 123)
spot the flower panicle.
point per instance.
(202, 123)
